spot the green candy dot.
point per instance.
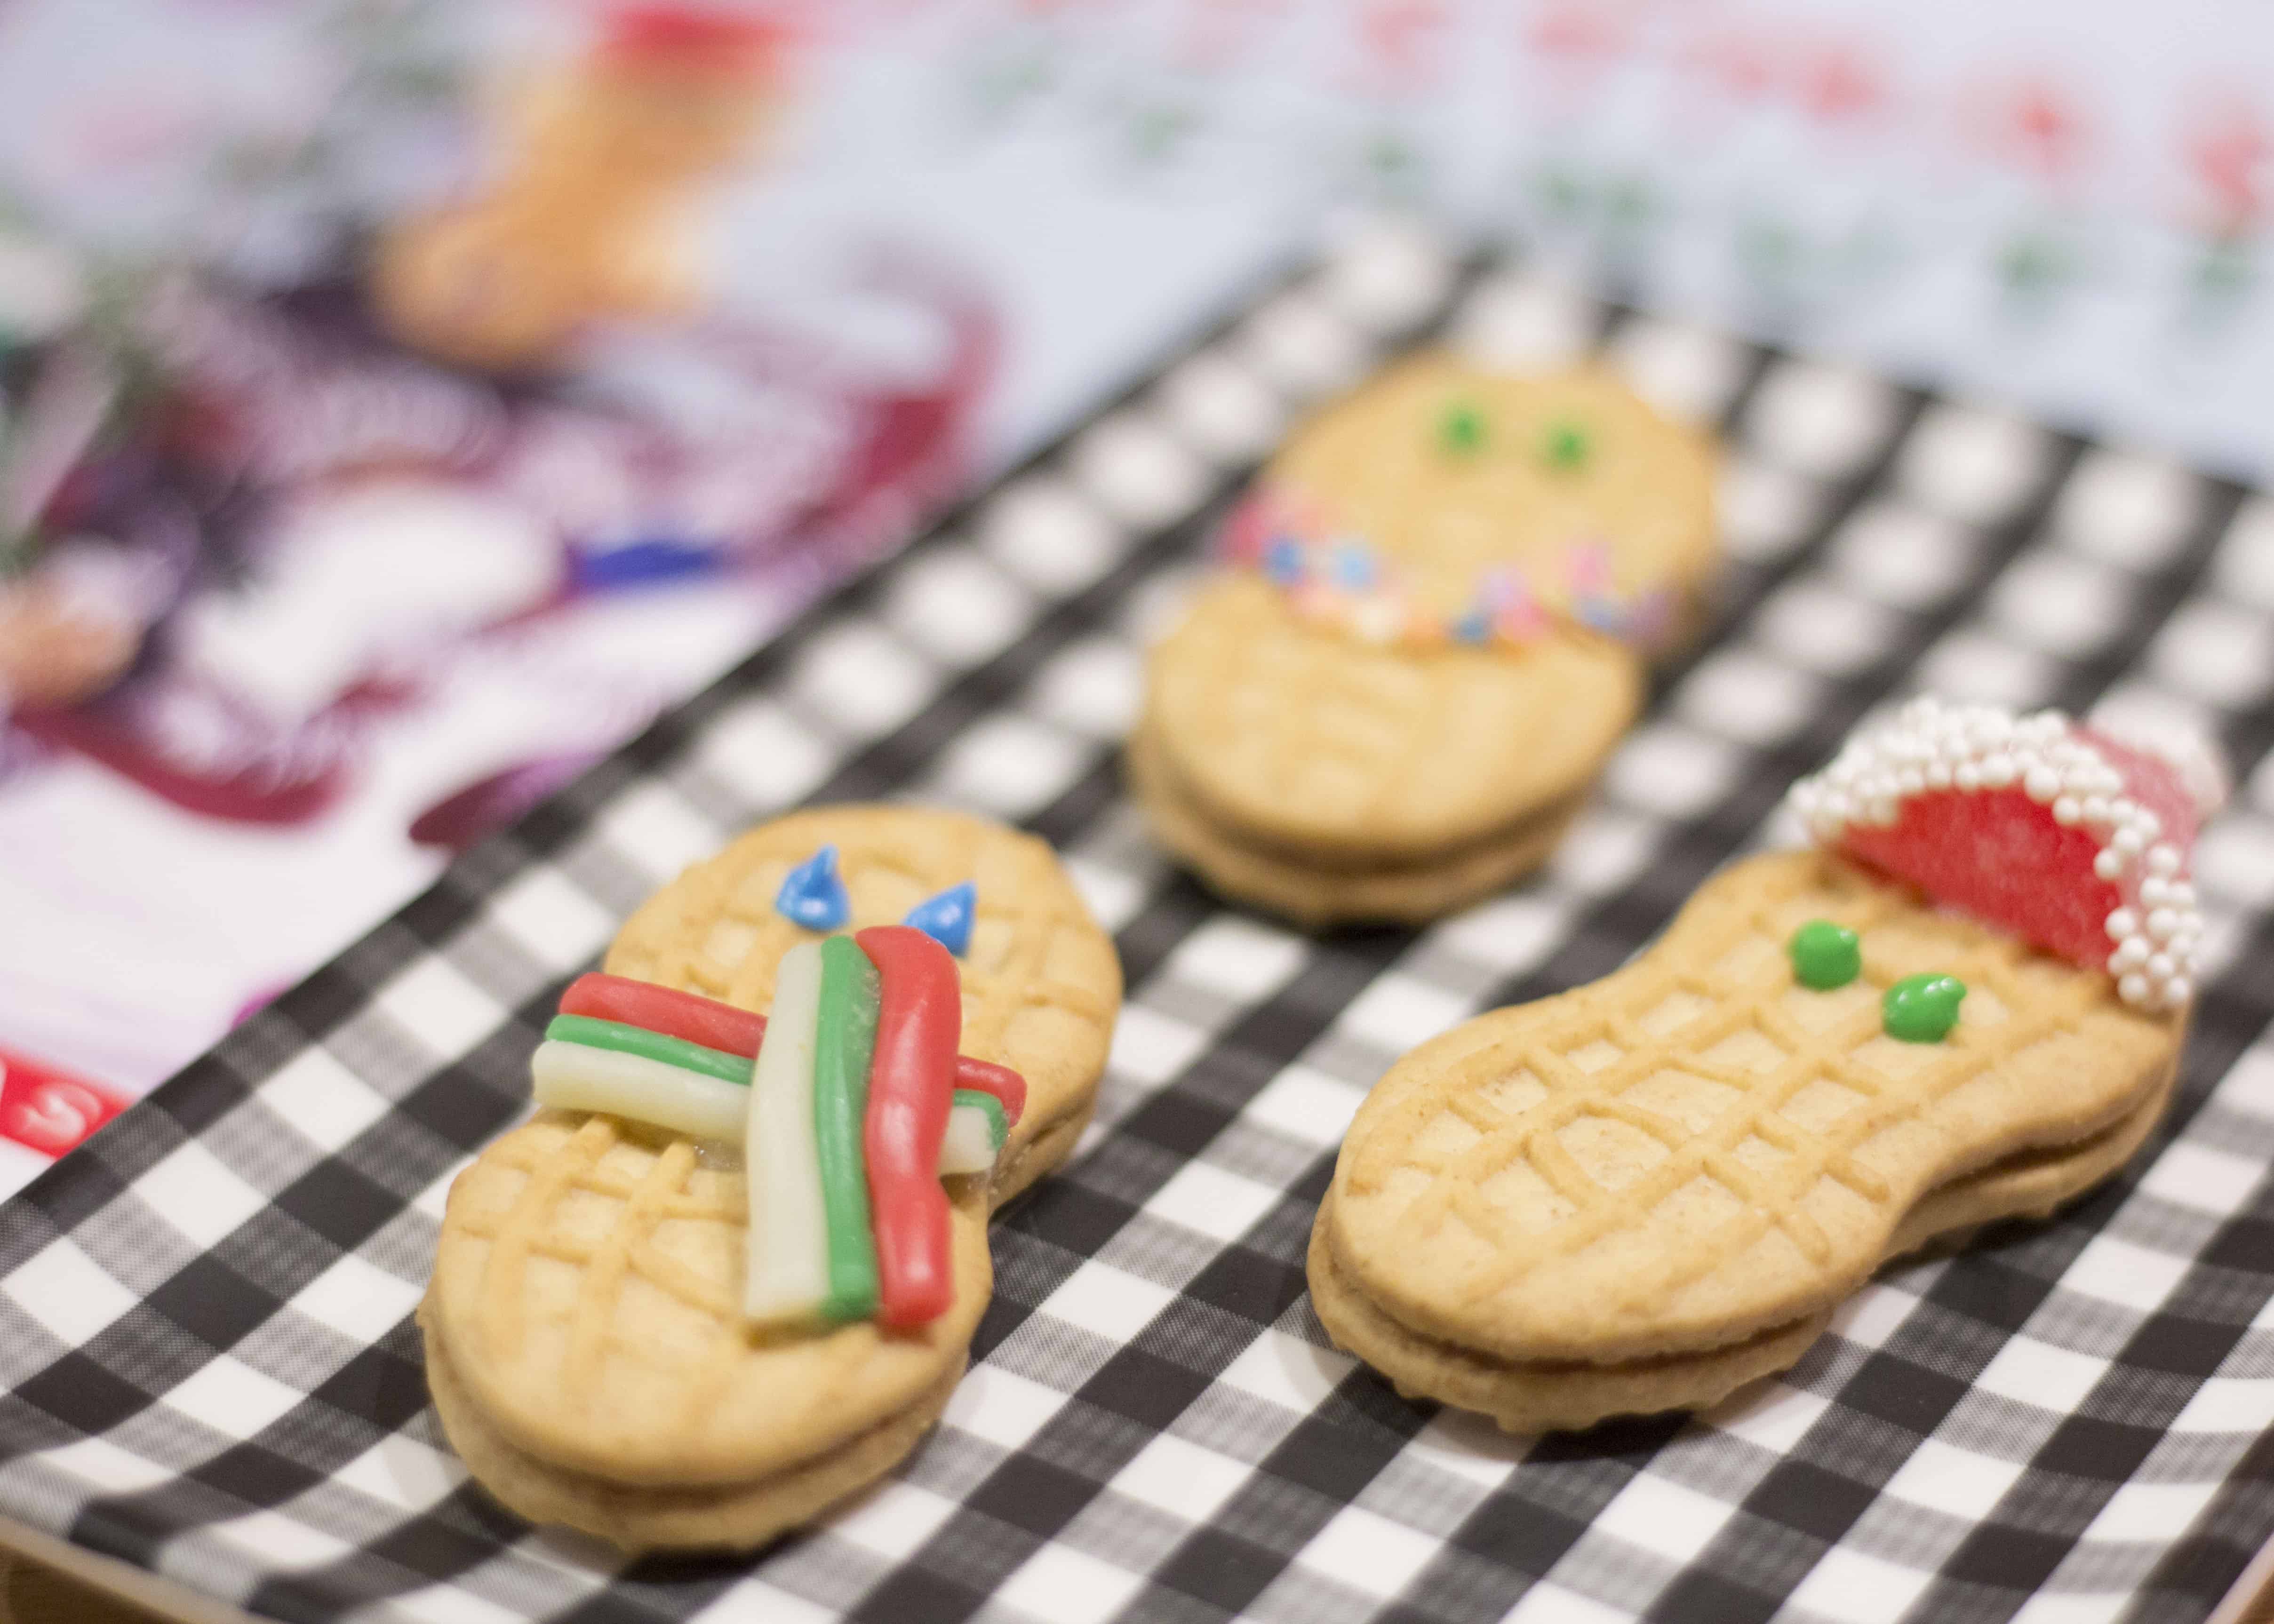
(1462, 429)
(1825, 955)
(1922, 1008)
(1565, 445)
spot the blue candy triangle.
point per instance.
(813, 893)
(947, 918)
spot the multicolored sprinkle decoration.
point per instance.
(848, 1118)
(1338, 578)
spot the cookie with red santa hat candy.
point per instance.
(1965, 1002)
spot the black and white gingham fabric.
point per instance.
(204, 1343)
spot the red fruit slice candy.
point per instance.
(1999, 855)
(2071, 839)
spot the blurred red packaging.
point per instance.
(48, 1109)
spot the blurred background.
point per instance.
(400, 401)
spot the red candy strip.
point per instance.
(985, 1077)
(662, 1009)
(738, 1032)
(919, 1019)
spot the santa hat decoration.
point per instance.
(2072, 838)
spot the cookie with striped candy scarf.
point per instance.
(1436, 617)
(728, 1274)
(1641, 1194)
(1041, 982)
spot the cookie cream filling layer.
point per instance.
(1930, 746)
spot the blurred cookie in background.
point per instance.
(1436, 619)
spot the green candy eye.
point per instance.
(1921, 1009)
(1461, 431)
(1825, 955)
(1565, 445)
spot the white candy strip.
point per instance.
(788, 1249)
(574, 1077)
(969, 1146)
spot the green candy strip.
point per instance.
(844, 1038)
(649, 1046)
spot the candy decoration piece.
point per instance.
(788, 1276)
(920, 1018)
(2061, 835)
(847, 1119)
(1006, 1086)
(573, 1077)
(1336, 576)
(667, 1010)
(845, 1038)
(1461, 431)
(813, 893)
(947, 918)
(976, 1129)
(1352, 565)
(1565, 445)
(738, 1032)
(1922, 1008)
(1247, 529)
(656, 1046)
(1825, 955)
(2193, 755)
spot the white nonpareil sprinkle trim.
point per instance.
(1932, 746)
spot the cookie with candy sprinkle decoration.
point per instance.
(729, 1273)
(1436, 617)
(1643, 1194)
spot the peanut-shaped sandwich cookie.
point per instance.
(728, 1275)
(1967, 1002)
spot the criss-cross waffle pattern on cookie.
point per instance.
(1301, 741)
(1696, 1147)
(1528, 1397)
(587, 1291)
(600, 1213)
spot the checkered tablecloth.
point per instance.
(205, 1342)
